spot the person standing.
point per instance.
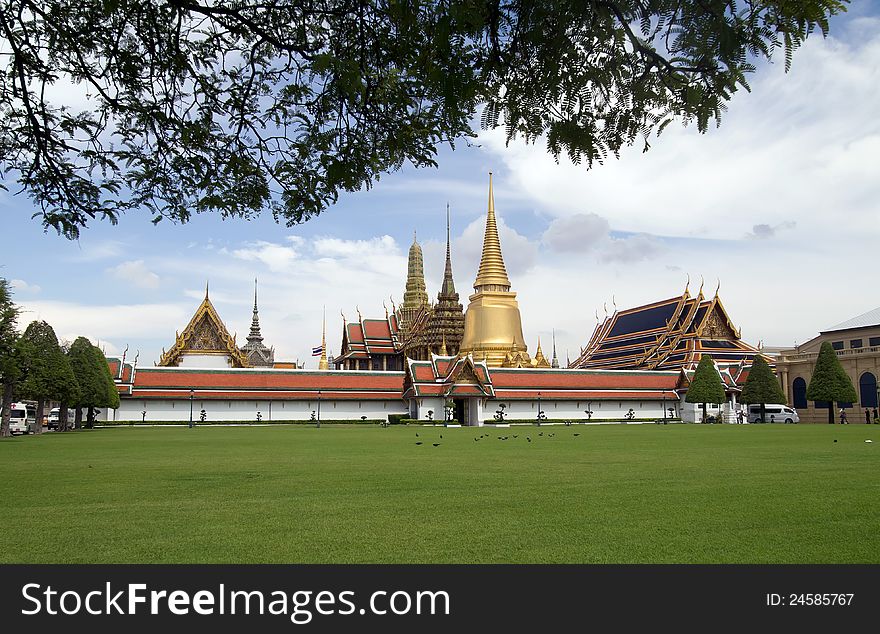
(867, 416)
(842, 417)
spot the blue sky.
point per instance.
(780, 204)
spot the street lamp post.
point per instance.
(319, 410)
(664, 406)
(192, 394)
(539, 409)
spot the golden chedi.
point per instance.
(492, 323)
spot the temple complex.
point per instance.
(432, 361)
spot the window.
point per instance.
(799, 393)
(874, 341)
(837, 345)
(821, 404)
(855, 343)
(868, 390)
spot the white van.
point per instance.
(773, 414)
(21, 416)
(55, 417)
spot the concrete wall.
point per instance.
(277, 410)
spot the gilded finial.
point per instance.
(343, 317)
(597, 316)
(701, 286)
(688, 284)
(605, 308)
(614, 303)
(492, 271)
(718, 287)
(358, 309)
(443, 351)
(414, 237)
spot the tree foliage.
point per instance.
(762, 386)
(47, 372)
(10, 358)
(706, 386)
(88, 374)
(830, 381)
(239, 107)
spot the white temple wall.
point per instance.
(246, 410)
(575, 410)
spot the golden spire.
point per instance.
(415, 294)
(492, 272)
(443, 351)
(322, 364)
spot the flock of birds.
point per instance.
(488, 436)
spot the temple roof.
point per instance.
(245, 383)
(363, 338)
(204, 334)
(461, 375)
(671, 333)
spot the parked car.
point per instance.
(779, 414)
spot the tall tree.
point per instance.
(239, 107)
(762, 386)
(10, 358)
(706, 386)
(109, 395)
(830, 381)
(47, 375)
(88, 375)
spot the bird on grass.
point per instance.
(577, 434)
(515, 436)
(419, 443)
(417, 434)
(436, 444)
(835, 440)
(541, 434)
(529, 439)
(441, 435)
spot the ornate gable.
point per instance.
(205, 334)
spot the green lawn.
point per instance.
(649, 493)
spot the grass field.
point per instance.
(676, 493)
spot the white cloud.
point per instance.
(108, 322)
(135, 273)
(20, 286)
(576, 233)
(801, 146)
(277, 258)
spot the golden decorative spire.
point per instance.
(415, 294)
(492, 325)
(492, 273)
(322, 364)
(443, 351)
